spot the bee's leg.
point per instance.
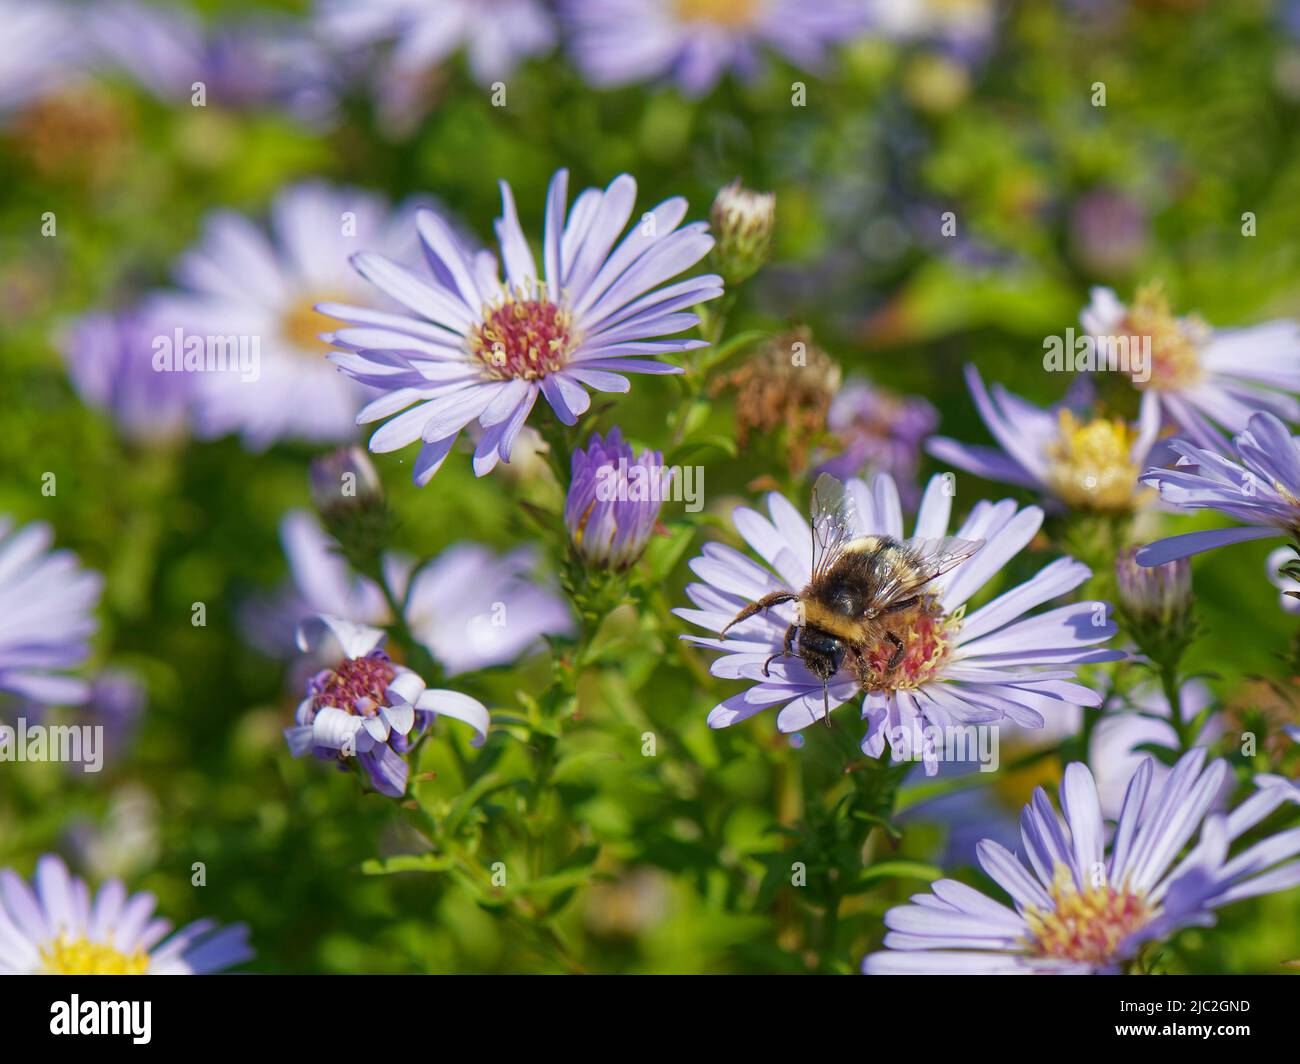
(899, 651)
(767, 601)
(894, 607)
(826, 703)
(787, 648)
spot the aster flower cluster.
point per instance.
(317, 324)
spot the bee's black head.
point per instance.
(822, 652)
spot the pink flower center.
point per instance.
(926, 634)
(352, 681)
(523, 338)
(1088, 925)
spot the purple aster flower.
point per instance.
(1086, 464)
(478, 348)
(42, 52)
(258, 292)
(254, 62)
(1260, 488)
(881, 433)
(1288, 586)
(999, 662)
(695, 42)
(470, 607)
(496, 36)
(1080, 910)
(1201, 379)
(60, 929)
(110, 361)
(614, 500)
(369, 707)
(47, 603)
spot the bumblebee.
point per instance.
(858, 588)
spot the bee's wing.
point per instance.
(834, 520)
(915, 562)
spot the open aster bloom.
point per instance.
(262, 288)
(59, 929)
(481, 349)
(1260, 488)
(369, 707)
(1000, 662)
(1086, 464)
(110, 361)
(616, 42)
(496, 36)
(47, 603)
(1204, 380)
(1079, 910)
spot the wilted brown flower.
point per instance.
(788, 385)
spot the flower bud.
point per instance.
(345, 479)
(742, 221)
(350, 498)
(1156, 603)
(614, 500)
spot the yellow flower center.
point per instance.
(1175, 357)
(926, 633)
(735, 14)
(1088, 925)
(303, 324)
(1091, 463)
(79, 956)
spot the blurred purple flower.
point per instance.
(470, 607)
(880, 433)
(1261, 488)
(695, 42)
(1114, 752)
(42, 52)
(965, 30)
(614, 500)
(496, 36)
(478, 348)
(1077, 463)
(992, 664)
(47, 603)
(60, 929)
(1108, 231)
(255, 62)
(1202, 379)
(110, 361)
(261, 290)
(368, 707)
(1079, 911)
